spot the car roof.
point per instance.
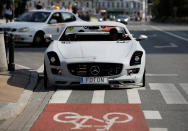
(44, 10)
(105, 23)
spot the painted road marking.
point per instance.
(94, 117)
(185, 87)
(60, 96)
(133, 96)
(169, 92)
(40, 69)
(152, 115)
(23, 66)
(158, 129)
(171, 45)
(175, 75)
(98, 96)
(79, 120)
(169, 33)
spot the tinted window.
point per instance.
(68, 17)
(33, 17)
(57, 16)
(94, 33)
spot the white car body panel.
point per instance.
(95, 52)
(34, 27)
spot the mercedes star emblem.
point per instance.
(95, 70)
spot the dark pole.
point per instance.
(11, 65)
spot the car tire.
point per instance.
(38, 39)
(46, 84)
(144, 79)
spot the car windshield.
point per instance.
(121, 16)
(94, 33)
(33, 17)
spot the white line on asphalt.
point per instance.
(158, 129)
(171, 45)
(148, 74)
(169, 33)
(40, 69)
(185, 87)
(23, 66)
(152, 115)
(169, 92)
(98, 96)
(133, 96)
(60, 96)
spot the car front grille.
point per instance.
(95, 69)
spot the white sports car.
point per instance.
(95, 53)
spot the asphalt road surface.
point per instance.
(164, 100)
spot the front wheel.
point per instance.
(38, 39)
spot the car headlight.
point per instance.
(136, 58)
(118, 19)
(100, 19)
(24, 29)
(126, 20)
(53, 58)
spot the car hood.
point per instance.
(88, 49)
(18, 25)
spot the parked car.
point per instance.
(122, 18)
(96, 17)
(31, 26)
(95, 56)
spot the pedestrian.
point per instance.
(63, 8)
(8, 12)
(69, 8)
(51, 6)
(75, 8)
(38, 6)
(56, 7)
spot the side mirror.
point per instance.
(53, 21)
(48, 38)
(142, 37)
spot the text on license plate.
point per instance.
(93, 80)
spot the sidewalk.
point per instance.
(15, 90)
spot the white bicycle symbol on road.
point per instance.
(79, 120)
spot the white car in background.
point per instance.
(31, 26)
(95, 56)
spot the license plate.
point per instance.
(93, 80)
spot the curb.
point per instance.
(14, 109)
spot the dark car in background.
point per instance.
(122, 19)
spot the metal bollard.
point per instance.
(11, 65)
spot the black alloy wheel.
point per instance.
(38, 39)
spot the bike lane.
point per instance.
(92, 117)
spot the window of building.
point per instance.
(117, 4)
(108, 4)
(112, 4)
(122, 4)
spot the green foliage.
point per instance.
(164, 9)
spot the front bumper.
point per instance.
(23, 37)
(67, 79)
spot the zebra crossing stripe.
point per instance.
(169, 92)
(185, 87)
(98, 96)
(133, 96)
(152, 115)
(158, 129)
(60, 96)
